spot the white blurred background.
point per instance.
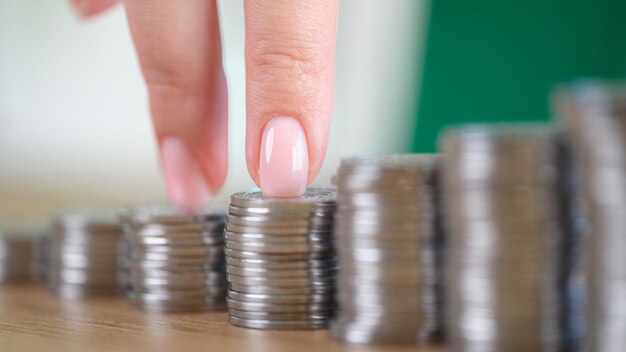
(74, 123)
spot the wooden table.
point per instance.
(31, 319)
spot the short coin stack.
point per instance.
(280, 260)
(594, 118)
(385, 236)
(503, 239)
(83, 254)
(16, 255)
(175, 259)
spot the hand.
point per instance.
(290, 49)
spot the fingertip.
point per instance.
(186, 185)
(89, 8)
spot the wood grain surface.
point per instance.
(32, 319)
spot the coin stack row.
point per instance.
(385, 235)
(503, 239)
(594, 118)
(175, 260)
(16, 255)
(83, 254)
(41, 254)
(280, 260)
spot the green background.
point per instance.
(494, 61)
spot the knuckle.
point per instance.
(271, 60)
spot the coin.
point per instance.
(385, 228)
(175, 261)
(281, 263)
(500, 196)
(278, 325)
(83, 253)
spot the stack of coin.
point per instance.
(502, 249)
(593, 115)
(16, 255)
(83, 254)
(41, 253)
(575, 231)
(175, 259)
(385, 236)
(280, 260)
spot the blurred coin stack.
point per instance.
(16, 255)
(83, 254)
(593, 115)
(41, 259)
(175, 259)
(385, 236)
(280, 260)
(502, 254)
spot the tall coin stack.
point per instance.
(280, 260)
(16, 255)
(502, 260)
(83, 253)
(593, 115)
(385, 235)
(175, 259)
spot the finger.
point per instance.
(178, 44)
(290, 49)
(87, 8)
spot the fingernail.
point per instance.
(284, 159)
(185, 184)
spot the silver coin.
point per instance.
(271, 248)
(320, 273)
(239, 254)
(320, 316)
(278, 325)
(281, 264)
(278, 239)
(282, 299)
(278, 308)
(280, 282)
(210, 286)
(320, 212)
(311, 198)
(302, 230)
(271, 222)
(282, 290)
(190, 251)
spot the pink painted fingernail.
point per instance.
(284, 158)
(185, 184)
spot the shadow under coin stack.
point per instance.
(385, 235)
(280, 260)
(16, 255)
(594, 117)
(83, 254)
(175, 260)
(502, 260)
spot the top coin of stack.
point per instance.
(83, 254)
(280, 260)
(502, 249)
(175, 259)
(16, 254)
(385, 228)
(593, 115)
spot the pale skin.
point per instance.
(290, 51)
